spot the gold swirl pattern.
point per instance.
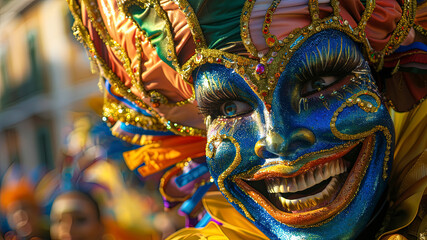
(236, 161)
(367, 107)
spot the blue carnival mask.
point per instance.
(315, 163)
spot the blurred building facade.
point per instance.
(44, 77)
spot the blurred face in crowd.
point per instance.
(24, 217)
(75, 217)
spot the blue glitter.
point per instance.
(285, 119)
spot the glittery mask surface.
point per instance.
(315, 163)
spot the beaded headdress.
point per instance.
(146, 50)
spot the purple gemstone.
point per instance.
(260, 69)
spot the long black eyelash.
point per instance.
(329, 62)
(211, 97)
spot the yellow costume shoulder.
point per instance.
(233, 224)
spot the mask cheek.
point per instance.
(220, 155)
(361, 117)
(223, 141)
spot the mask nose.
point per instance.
(274, 144)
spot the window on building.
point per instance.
(4, 75)
(44, 145)
(12, 145)
(35, 76)
(33, 81)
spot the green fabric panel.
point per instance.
(219, 20)
(196, 4)
(155, 27)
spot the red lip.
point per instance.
(311, 216)
(276, 168)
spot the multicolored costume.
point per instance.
(90, 168)
(301, 137)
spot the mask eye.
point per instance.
(234, 108)
(318, 84)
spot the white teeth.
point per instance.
(278, 184)
(332, 169)
(306, 202)
(310, 178)
(326, 171)
(283, 185)
(301, 181)
(318, 174)
(307, 179)
(294, 185)
(337, 166)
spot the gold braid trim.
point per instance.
(81, 33)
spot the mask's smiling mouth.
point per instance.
(318, 191)
(309, 190)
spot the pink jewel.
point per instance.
(260, 69)
(199, 57)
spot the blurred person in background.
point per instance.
(22, 210)
(76, 215)
(88, 196)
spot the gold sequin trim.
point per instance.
(227, 172)
(367, 107)
(83, 36)
(113, 112)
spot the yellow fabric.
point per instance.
(409, 172)
(234, 225)
(395, 237)
(157, 156)
(122, 221)
(411, 141)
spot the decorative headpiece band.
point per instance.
(148, 49)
